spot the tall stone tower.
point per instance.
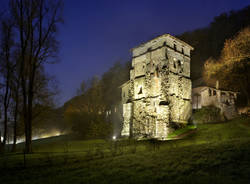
(157, 97)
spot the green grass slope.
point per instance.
(215, 153)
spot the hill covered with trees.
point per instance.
(209, 41)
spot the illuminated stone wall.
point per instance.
(225, 100)
(159, 90)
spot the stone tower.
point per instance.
(158, 95)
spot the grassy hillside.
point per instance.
(214, 153)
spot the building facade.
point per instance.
(158, 95)
(203, 96)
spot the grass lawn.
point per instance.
(182, 131)
(214, 153)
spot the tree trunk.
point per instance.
(23, 70)
(27, 124)
(25, 117)
(14, 133)
(28, 148)
(6, 105)
(1, 146)
(27, 134)
(16, 114)
(30, 112)
(5, 127)
(29, 127)
(248, 99)
(15, 126)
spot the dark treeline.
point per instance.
(96, 110)
(209, 41)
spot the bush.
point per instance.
(89, 125)
(207, 115)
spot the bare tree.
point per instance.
(36, 24)
(15, 98)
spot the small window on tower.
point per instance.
(174, 47)
(166, 53)
(174, 65)
(180, 67)
(140, 92)
(182, 50)
(157, 72)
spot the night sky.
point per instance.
(98, 33)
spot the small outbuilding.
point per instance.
(209, 96)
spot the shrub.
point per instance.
(89, 125)
(207, 114)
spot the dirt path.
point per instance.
(181, 136)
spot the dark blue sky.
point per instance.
(98, 33)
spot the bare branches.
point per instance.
(36, 23)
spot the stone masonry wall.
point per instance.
(159, 88)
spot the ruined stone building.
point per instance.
(158, 95)
(203, 96)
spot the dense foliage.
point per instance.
(209, 41)
(232, 69)
(209, 114)
(95, 111)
